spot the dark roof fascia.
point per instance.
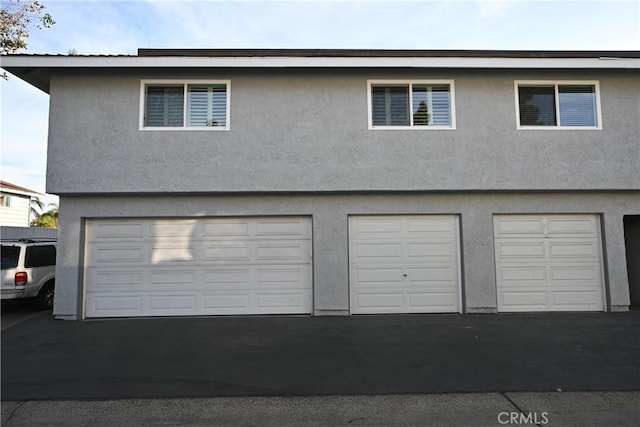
(383, 53)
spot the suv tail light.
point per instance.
(21, 278)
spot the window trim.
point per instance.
(185, 84)
(452, 106)
(555, 84)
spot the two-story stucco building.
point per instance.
(336, 182)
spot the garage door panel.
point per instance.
(117, 254)
(225, 228)
(227, 252)
(380, 302)
(202, 266)
(225, 277)
(178, 278)
(521, 300)
(577, 298)
(434, 274)
(173, 253)
(172, 302)
(521, 275)
(280, 301)
(580, 225)
(587, 250)
(578, 275)
(376, 228)
(431, 251)
(433, 228)
(517, 226)
(115, 305)
(563, 273)
(520, 251)
(383, 275)
(287, 252)
(377, 252)
(227, 302)
(404, 264)
(176, 229)
(111, 279)
(116, 230)
(282, 277)
(281, 229)
(433, 301)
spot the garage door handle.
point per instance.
(404, 275)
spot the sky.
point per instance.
(123, 26)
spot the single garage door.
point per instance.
(404, 264)
(205, 266)
(548, 263)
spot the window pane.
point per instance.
(390, 105)
(207, 105)
(537, 105)
(164, 106)
(431, 105)
(10, 255)
(577, 105)
(422, 111)
(40, 256)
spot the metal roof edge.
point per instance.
(395, 53)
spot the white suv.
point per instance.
(28, 270)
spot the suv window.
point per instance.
(10, 255)
(40, 256)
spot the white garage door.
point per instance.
(548, 263)
(205, 266)
(404, 264)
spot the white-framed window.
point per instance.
(411, 104)
(558, 104)
(184, 105)
(5, 200)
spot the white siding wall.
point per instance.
(17, 214)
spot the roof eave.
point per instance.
(36, 69)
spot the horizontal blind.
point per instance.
(441, 100)
(390, 105)
(207, 105)
(537, 105)
(164, 106)
(577, 105)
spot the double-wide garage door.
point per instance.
(207, 266)
(404, 264)
(548, 263)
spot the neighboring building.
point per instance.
(335, 182)
(15, 204)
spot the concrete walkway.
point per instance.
(484, 409)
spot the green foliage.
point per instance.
(47, 219)
(35, 207)
(17, 17)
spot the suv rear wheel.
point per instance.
(44, 300)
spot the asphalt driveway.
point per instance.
(43, 358)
